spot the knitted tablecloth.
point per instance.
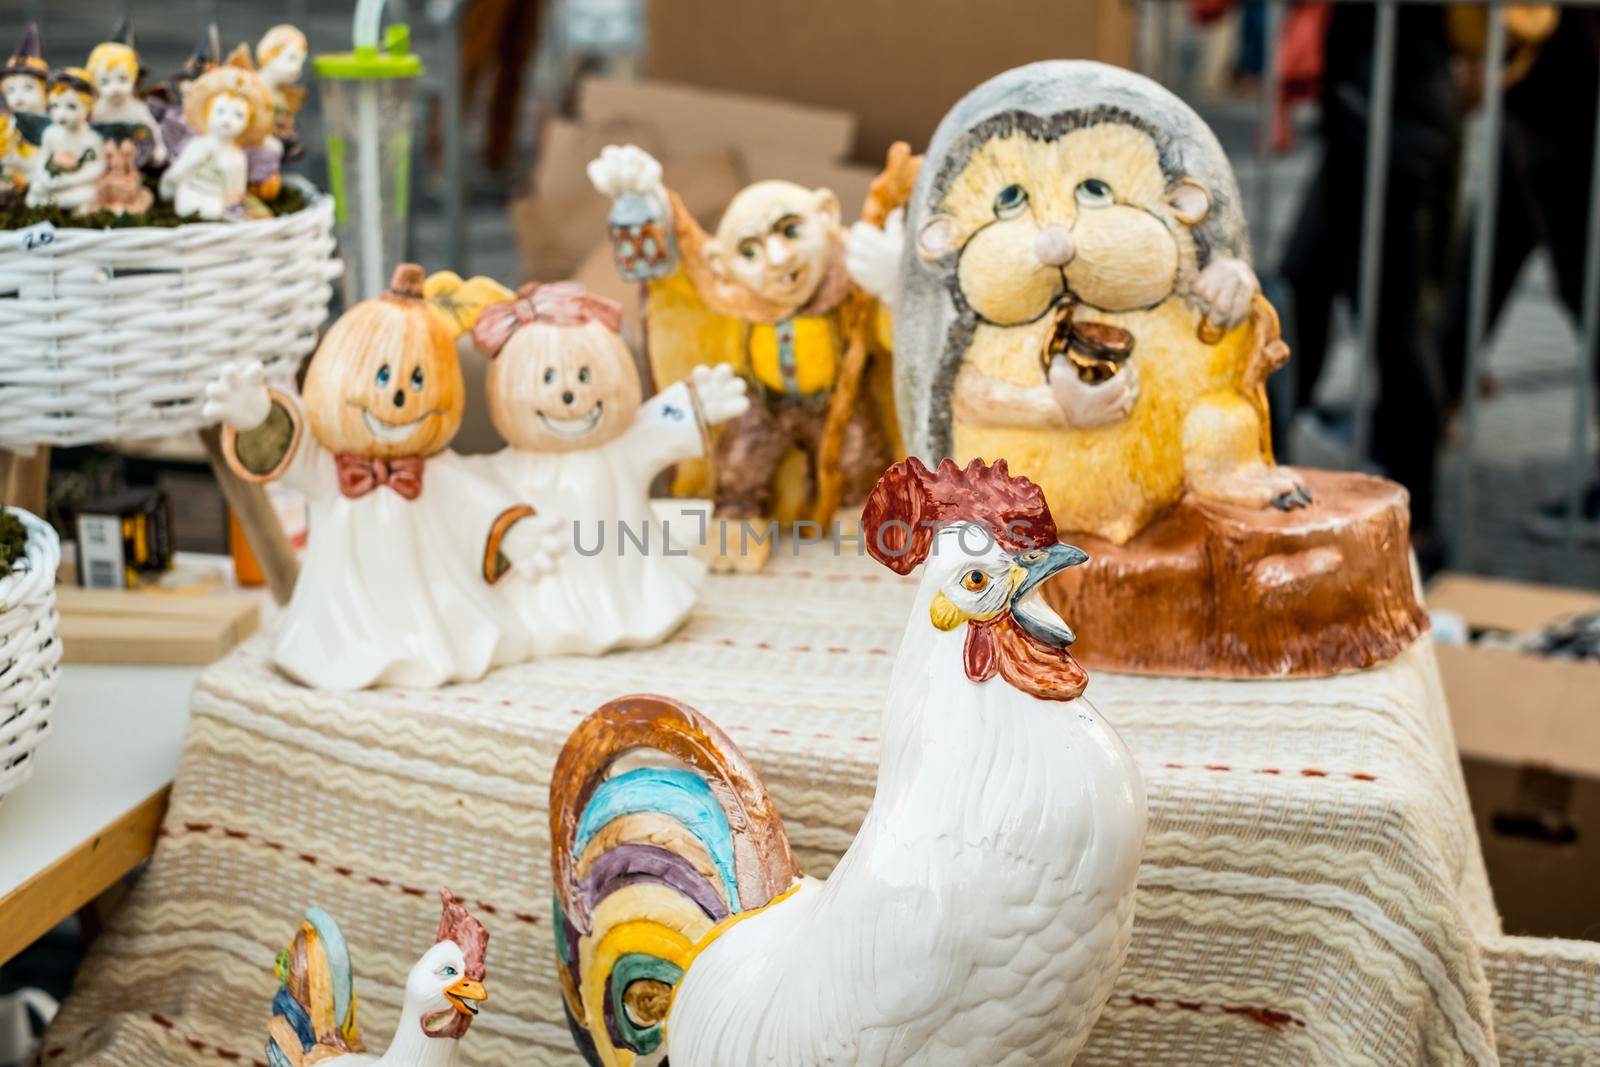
(1312, 892)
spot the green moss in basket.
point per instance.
(13, 541)
(17, 215)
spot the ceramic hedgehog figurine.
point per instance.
(1074, 295)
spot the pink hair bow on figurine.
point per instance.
(556, 303)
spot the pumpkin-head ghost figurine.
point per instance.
(1073, 294)
(227, 111)
(407, 538)
(71, 156)
(767, 293)
(119, 113)
(564, 391)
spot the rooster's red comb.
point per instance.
(910, 504)
(457, 924)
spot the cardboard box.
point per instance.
(1528, 728)
(898, 67)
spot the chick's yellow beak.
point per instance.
(465, 995)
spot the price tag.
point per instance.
(39, 235)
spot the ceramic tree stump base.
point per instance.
(1221, 591)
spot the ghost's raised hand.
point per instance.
(872, 255)
(534, 545)
(1225, 290)
(722, 393)
(1087, 405)
(238, 396)
(623, 169)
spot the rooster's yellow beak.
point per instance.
(465, 995)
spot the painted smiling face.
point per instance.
(385, 381)
(556, 388)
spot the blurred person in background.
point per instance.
(1322, 258)
(1546, 151)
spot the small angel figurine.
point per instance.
(563, 389)
(228, 110)
(71, 156)
(281, 57)
(119, 114)
(406, 537)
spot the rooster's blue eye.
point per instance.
(448, 971)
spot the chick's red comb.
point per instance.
(457, 924)
(910, 504)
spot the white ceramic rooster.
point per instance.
(982, 913)
(314, 1012)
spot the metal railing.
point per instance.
(1581, 461)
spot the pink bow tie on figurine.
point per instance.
(359, 475)
(559, 303)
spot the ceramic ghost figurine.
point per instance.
(23, 82)
(564, 391)
(71, 156)
(983, 911)
(119, 114)
(281, 57)
(228, 110)
(406, 537)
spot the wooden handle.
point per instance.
(257, 517)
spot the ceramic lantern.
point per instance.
(982, 913)
(367, 103)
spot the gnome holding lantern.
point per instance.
(406, 537)
(768, 292)
(564, 391)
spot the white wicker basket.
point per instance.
(114, 333)
(30, 652)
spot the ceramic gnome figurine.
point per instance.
(564, 391)
(119, 114)
(406, 537)
(981, 915)
(1073, 293)
(71, 156)
(23, 83)
(768, 293)
(228, 110)
(314, 1014)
